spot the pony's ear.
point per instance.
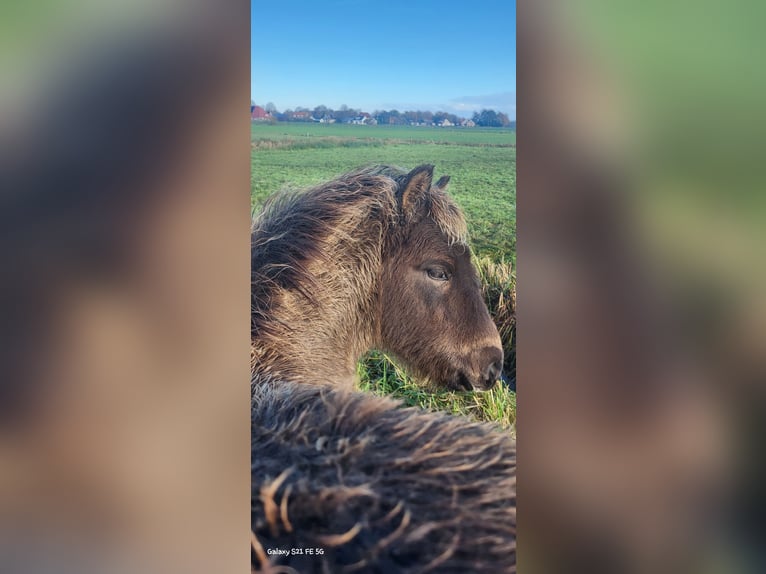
(416, 184)
(441, 185)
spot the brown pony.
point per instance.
(377, 258)
(351, 482)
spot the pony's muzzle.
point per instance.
(491, 367)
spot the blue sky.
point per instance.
(405, 54)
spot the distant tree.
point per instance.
(487, 118)
(343, 113)
(396, 117)
(383, 117)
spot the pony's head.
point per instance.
(433, 316)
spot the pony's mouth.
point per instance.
(464, 383)
(451, 377)
(452, 380)
(485, 381)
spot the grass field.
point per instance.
(404, 134)
(483, 176)
(482, 165)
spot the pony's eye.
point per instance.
(437, 274)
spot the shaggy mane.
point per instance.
(297, 228)
(378, 487)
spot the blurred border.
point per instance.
(641, 308)
(125, 172)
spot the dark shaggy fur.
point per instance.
(374, 259)
(377, 488)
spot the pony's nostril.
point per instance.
(491, 361)
(491, 374)
(491, 368)
(494, 371)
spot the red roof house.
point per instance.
(258, 113)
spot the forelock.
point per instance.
(448, 216)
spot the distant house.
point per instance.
(258, 114)
(468, 123)
(300, 116)
(325, 119)
(362, 119)
(368, 120)
(446, 123)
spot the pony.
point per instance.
(347, 481)
(377, 258)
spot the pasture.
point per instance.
(407, 134)
(482, 164)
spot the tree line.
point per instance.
(345, 114)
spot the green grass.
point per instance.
(300, 131)
(483, 177)
(498, 281)
(482, 166)
(379, 374)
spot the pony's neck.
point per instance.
(321, 338)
